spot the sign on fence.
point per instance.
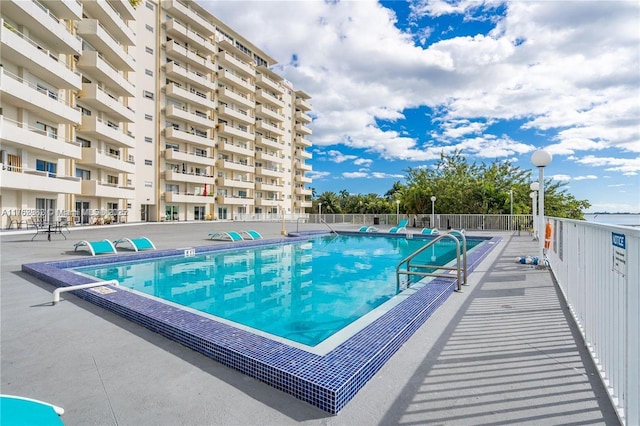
(619, 254)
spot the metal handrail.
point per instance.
(332, 230)
(457, 268)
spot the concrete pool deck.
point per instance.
(503, 352)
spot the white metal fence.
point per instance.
(597, 269)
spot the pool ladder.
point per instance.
(460, 268)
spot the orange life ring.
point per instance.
(547, 236)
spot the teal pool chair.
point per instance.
(368, 229)
(429, 231)
(96, 247)
(17, 410)
(137, 244)
(402, 226)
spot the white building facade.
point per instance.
(158, 113)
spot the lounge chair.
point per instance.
(429, 231)
(226, 236)
(368, 229)
(250, 235)
(96, 247)
(402, 226)
(17, 410)
(137, 244)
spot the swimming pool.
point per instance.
(304, 291)
(326, 380)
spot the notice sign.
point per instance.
(619, 253)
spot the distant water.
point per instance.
(614, 219)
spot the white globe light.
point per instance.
(534, 186)
(541, 158)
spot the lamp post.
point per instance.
(398, 210)
(541, 159)
(511, 210)
(534, 195)
(433, 211)
(319, 211)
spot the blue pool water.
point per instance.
(305, 291)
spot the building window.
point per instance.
(83, 174)
(149, 27)
(85, 143)
(148, 139)
(147, 94)
(45, 166)
(148, 117)
(113, 180)
(148, 50)
(148, 72)
(148, 163)
(50, 131)
(149, 5)
(148, 184)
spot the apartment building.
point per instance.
(155, 113)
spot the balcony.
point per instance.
(228, 77)
(262, 186)
(105, 160)
(299, 165)
(268, 79)
(41, 101)
(112, 21)
(183, 13)
(303, 104)
(299, 140)
(124, 8)
(174, 111)
(301, 128)
(303, 154)
(95, 64)
(234, 183)
(302, 191)
(176, 29)
(190, 96)
(268, 202)
(303, 204)
(234, 200)
(199, 79)
(241, 132)
(226, 58)
(264, 157)
(41, 21)
(225, 111)
(303, 178)
(265, 97)
(22, 136)
(301, 116)
(173, 176)
(230, 165)
(39, 181)
(193, 58)
(267, 141)
(269, 171)
(178, 135)
(92, 31)
(236, 149)
(229, 96)
(187, 157)
(64, 9)
(93, 188)
(268, 128)
(40, 62)
(187, 198)
(264, 111)
(93, 96)
(105, 130)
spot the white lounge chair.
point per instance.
(225, 236)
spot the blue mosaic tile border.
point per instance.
(328, 381)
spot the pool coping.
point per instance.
(327, 381)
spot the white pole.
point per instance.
(511, 211)
(541, 159)
(433, 212)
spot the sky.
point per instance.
(394, 84)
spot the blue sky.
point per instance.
(396, 83)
